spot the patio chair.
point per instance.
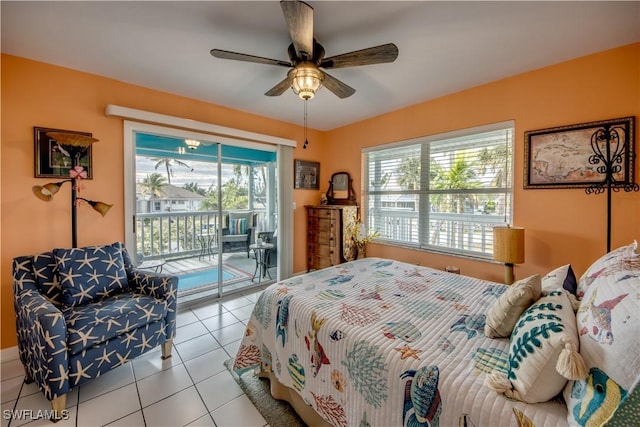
(238, 231)
(84, 311)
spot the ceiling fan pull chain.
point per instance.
(304, 146)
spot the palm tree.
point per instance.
(152, 185)
(409, 171)
(168, 164)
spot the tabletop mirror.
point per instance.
(341, 190)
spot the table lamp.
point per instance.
(508, 247)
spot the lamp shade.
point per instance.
(508, 244)
(306, 79)
(47, 191)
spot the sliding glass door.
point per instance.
(201, 208)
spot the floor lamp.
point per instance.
(75, 145)
(612, 149)
(508, 247)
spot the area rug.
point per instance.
(204, 280)
(275, 412)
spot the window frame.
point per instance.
(422, 195)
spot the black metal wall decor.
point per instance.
(613, 148)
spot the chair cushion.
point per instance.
(232, 238)
(238, 226)
(47, 279)
(94, 324)
(91, 273)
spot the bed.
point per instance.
(381, 342)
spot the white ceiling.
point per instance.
(444, 47)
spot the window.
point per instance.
(443, 192)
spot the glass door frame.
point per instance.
(130, 130)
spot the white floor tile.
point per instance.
(11, 388)
(206, 365)
(186, 317)
(243, 313)
(151, 363)
(240, 412)
(229, 334)
(68, 421)
(35, 402)
(185, 333)
(114, 379)
(158, 386)
(166, 413)
(28, 389)
(220, 321)
(134, 420)
(232, 348)
(6, 406)
(218, 390)
(209, 310)
(236, 303)
(11, 369)
(197, 347)
(109, 407)
(205, 421)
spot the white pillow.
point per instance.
(543, 352)
(505, 311)
(560, 278)
(608, 321)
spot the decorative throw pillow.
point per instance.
(607, 265)
(608, 321)
(91, 273)
(238, 226)
(505, 311)
(560, 278)
(543, 352)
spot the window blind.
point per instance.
(443, 192)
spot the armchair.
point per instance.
(238, 231)
(81, 312)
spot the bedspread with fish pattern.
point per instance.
(384, 343)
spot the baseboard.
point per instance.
(9, 354)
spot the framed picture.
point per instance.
(563, 157)
(52, 160)
(307, 175)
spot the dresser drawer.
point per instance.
(321, 250)
(322, 213)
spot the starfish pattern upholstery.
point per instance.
(81, 312)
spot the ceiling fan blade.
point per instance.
(225, 54)
(299, 18)
(341, 90)
(373, 55)
(281, 87)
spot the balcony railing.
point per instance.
(171, 235)
(459, 231)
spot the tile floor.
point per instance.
(192, 388)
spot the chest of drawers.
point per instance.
(328, 240)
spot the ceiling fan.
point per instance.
(306, 57)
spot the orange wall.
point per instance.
(37, 94)
(561, 225)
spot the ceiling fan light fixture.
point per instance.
(306, 81)
(192, 143)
